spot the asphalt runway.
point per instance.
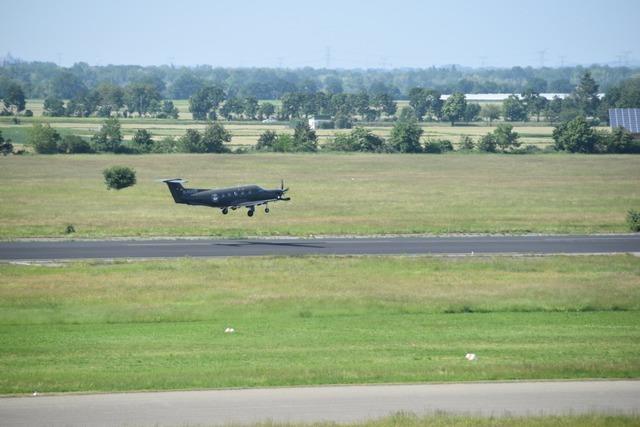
(313, 404)
(455, 245)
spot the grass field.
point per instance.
(160, 325)
(446, 420)
(246, 133)
(331, 194)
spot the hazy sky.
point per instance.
(341, 34)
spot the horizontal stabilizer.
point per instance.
(177, 180)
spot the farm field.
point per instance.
(332, 194)
(449, 420)
(246, 133)
(159, 325)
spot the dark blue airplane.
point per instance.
(248, 196)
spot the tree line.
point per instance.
(45, 79)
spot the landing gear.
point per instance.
(225, 211)
(266, 210)
(250, 212)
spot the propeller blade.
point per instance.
(282, 184)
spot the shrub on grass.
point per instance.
(633, 219)
(72, 144)
(118, 177)
(438, 146)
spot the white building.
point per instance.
(315, 122)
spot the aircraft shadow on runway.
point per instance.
(276, 244)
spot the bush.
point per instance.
(633, 219)
(109, 138)
(142, 141)
(72, 144)
(168, 144)
(5, 145)
(359, 139)
(43, 138)
(28, 113)
(438, 146)
(466, 143)
(342, 122)
(210, 141)
(326, 125)
(487, 143)
(267, 140)
(118, 177)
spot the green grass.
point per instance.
(160, 325)
(331, 194)
(450, 420)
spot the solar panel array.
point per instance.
(628, 118)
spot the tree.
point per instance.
(383, 102)
(250, 107)
(291, 105)
(304, 138)
(214, 137)
(12, 97)
(185, 86)
(418, 101)
(505, 138)
(191, 141)
(118, 177)
(205, 102)
(554, 108)
(576, 136)
(43, 138)
(514, 110)
(266, 110)
(405, 137)
(139, 97)
(53, 107)
(534, 103)
(231, 107)
(143, 140)
(168, 110)
(472, 112)
(5, 145)
(67, 86)
(110, 98)
(109, 137)
(490, 112)
(454, 107)
(586, 95)
(267, 140)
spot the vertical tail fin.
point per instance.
(176, 188)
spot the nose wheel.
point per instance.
(225, 211)
(266, 210)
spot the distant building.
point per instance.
(628, 118)
(316, 122)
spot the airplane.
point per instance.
(248, 196)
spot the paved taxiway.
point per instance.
(309, 404)
(111, 249)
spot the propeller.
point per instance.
(283, 190)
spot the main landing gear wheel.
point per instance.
(225, 211)
(266, 210)
(250, 212)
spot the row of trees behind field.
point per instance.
(44, 79)
(576, 136)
